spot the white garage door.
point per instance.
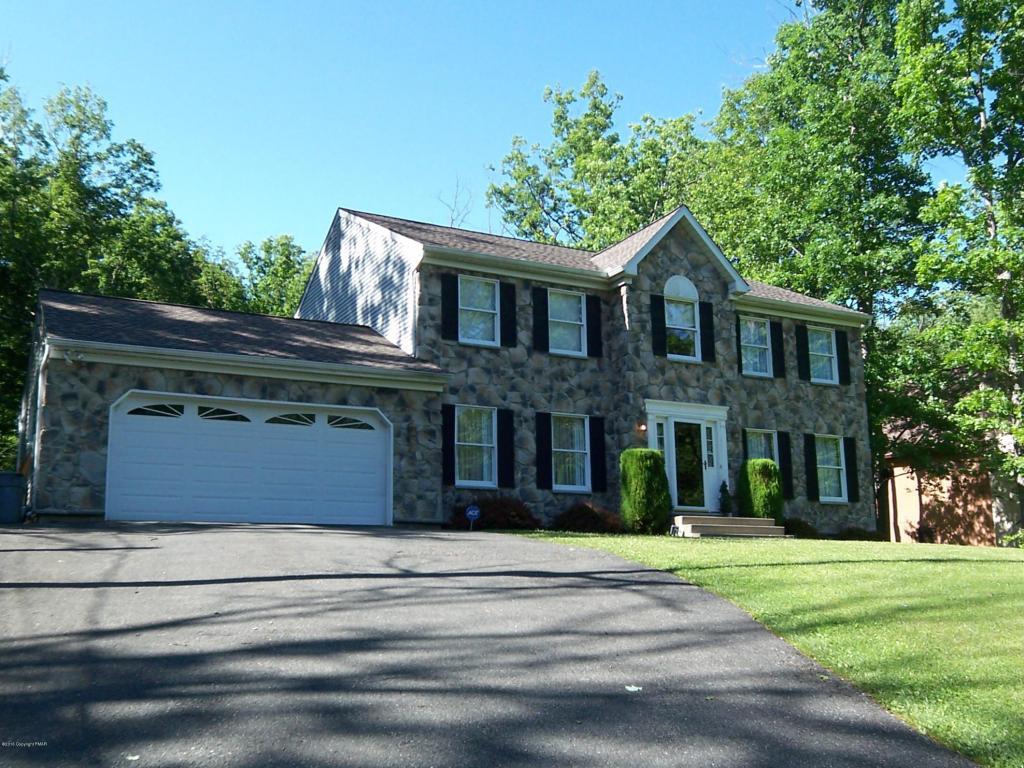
(176, 457)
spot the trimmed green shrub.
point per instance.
(587, 517)
(801, 529)
(646, 504)
(503, 512)
(854, 533)
(759, 490)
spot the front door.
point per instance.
(689, 464)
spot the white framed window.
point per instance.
(567, 323)
(570, 452)
(762, 444)
(659, 436)
(821, 346)
(755, 346)
(709, 447)
(831, 468)
(475, 446)
(478, 311)
(682, 331)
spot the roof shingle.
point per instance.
(105, 319)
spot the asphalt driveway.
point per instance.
(149, 645)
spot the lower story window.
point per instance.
(475, 446)
(570, 453)
(831, 468)
(761, 444)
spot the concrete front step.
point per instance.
(719, 520)
(695, 526)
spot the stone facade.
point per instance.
(70, 477)
(617, 384)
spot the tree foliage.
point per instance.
(78, 211)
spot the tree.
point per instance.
(275, 275)
(961, 66)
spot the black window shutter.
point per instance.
(506, 449)
(778, 351)
(450, 306)
(543, 450)
(598, 465)
(746, 450)
(448, 444)
(508, 314)
(811, 467)
(593, 326)
(850, 454)
(739, 344)
(540, 319)
(803, 354)
(843, 356)
(786, 465)
(707, 332)
(658, 340)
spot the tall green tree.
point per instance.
(961, 85)
(275, 275)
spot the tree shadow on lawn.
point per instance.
(437, 669)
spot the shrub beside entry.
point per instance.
(646, 504)
(759, 490)
(587, 517)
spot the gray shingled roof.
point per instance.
(765, 291)
(615, 255)
(81, 317)
(481, 242)
(620, 254)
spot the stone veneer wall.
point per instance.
(71, 475)
(616, 385)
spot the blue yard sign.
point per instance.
(472, 514)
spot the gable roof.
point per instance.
(481, 242)
(620, 257)
(132, 322)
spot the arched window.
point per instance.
(682, 319)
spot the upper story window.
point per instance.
(682, 320)
(570, 452)
(475, 446)
(831, 466)
(821, 345)
(478, 311)
(567, 323)
(755, 346)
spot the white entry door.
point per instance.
(691, 437)
(185, 458)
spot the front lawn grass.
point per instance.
(935, 633)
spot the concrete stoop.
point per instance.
(695, 526)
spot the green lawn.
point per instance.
(935, 633)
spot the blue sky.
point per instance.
(264, 117)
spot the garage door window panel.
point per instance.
(167, 410)
(220, 414)
(295, 419)
(348, 422)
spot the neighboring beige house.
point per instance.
(972, 506)
(428, 365)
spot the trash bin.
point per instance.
(12, 495)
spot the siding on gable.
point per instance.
(365, 275)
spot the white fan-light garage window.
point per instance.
(171, 410)
(297, 419)
(220, 414)
(347, 422)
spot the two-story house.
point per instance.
(428, 365)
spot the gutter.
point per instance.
(75, 351)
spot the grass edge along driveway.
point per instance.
(934, 633)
